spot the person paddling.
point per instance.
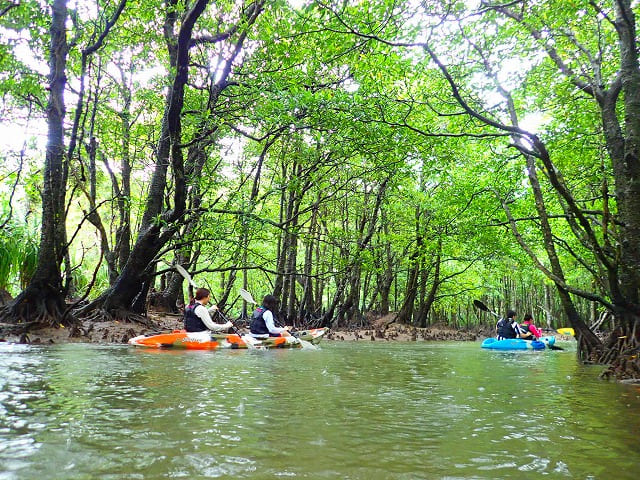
(508, 327)
(528, 330)
(196, 316)
(263, 321)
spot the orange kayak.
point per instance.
(213, 341)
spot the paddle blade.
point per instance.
(185, 275)
(247, 296)
(307, 345)
(250, 342)
(480, 306)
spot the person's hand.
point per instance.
(212, 309)
(228, 324)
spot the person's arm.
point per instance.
(202, 312)
(525, 332)
(516, 327)
(535, 330)
(271, 326)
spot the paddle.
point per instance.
(249, 299)
(481, 306)
(185, 275)
(248, 340)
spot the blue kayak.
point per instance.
(518, 343)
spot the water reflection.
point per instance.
(349, 410)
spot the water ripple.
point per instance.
(365, 411)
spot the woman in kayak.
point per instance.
(528, 330)
(196, 316)
(263, 322)
(508, 327)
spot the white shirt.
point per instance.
(202, 313)
(269, 322)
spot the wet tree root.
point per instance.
(101, 315)
(39, 305)
(622, 357)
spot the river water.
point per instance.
(441, 410)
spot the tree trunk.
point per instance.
(123, 232)
(366, 230)
(407, 311)
(307, 309)
(128, 293)
(435, 284)
(405, 315)
(386, 280)
(173, 296)
(43, 299)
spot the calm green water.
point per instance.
(444, 410)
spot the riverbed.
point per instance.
(348, 410)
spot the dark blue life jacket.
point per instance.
(192, 322)
(258, 325)
(505, 328)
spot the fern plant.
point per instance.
(6, 261)
(28, 260)
(18, 256)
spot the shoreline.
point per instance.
(407, 333)
(117, 332)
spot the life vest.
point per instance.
(192, 322)
(505, 328)
(524, 328)
(258, 325)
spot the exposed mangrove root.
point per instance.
(622, 356)
(37, 306)
(120, 315)
(405, 333)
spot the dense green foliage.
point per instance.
(348, 156)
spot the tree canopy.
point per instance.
(353, 158)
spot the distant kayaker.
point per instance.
(196, 316)
(263, 321)
(508, 327)
(528, 330)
